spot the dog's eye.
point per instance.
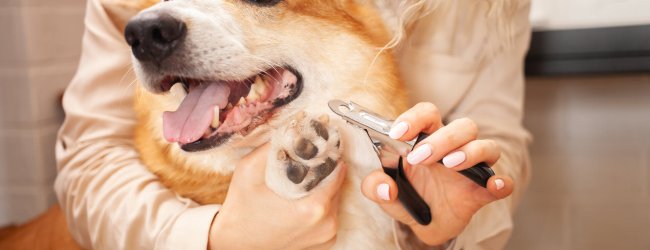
(265, 3)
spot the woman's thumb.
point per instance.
(382, 189)
(253, 166)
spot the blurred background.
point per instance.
(39, 52)
(588, 107)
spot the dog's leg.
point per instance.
(303, 154)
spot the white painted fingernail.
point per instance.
(420, 154)
(499, 183)
(454, 159)
(383, 191)
(398, 130)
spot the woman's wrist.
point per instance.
(407, 239)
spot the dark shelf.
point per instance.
(587, 51)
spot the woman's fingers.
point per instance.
(325, 234)
(330, 197)
(253, 166)
(381, 189)
(327, 245)
(334, 204)
(471, 154)
(444, 140)
(423, 117)
(323, 200)
(500, 186)
(327, 190)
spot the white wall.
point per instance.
(571, 14)
(39, 52)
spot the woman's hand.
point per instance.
(254, 217)
(452, 197)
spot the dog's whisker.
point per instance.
(128, 70)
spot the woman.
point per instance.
(113, 202)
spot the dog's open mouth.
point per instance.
(214, 110)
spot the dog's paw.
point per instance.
(303, 154)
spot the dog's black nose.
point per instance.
(153, 36)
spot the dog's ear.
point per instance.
(120, 11)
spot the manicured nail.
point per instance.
(499, 183)
(383, 191)
(419, 154)
(454, 159)
(398, 130)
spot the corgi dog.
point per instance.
(220, 78)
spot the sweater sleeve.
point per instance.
(110, 200)
(452, 62)
(495, 101)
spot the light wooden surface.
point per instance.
(48, 231)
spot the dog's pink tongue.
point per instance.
(193, 117)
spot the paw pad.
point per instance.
(305, 149)
(308, 151)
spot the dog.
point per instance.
(220, 78)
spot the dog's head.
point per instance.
(223, 70)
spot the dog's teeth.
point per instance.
(241, 101)
(215, 118)
(252, 96)
(259, 86)
(178, 90)
(229, 106)
(258, 80)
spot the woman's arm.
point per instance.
(109, 198)
(471, 66)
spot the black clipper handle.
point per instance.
(408, 196)
(479, 173)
